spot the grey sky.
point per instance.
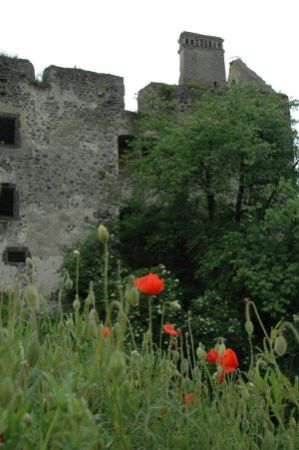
(138, 39)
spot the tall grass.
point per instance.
(77, 381)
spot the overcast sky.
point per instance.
(137, 39)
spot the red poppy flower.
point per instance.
(169, 329)
(229, 361)
(106, 331)
(213, 356)
(150, 284)
(226, 363)
(189, 398)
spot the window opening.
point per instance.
(7, 200)
(7, 130)
(124, 146)
(16, 255)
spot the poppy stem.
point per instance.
(161, 329)
(150, 322)
(105, 277)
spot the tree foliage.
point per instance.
(215, 197)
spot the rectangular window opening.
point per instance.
(7, 130)
(7, 200)
(16, 255)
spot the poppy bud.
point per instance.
(33, 353)
(132, 295)
(245, 425)
(249, 327)
(280, 345)
(76, 304)
(103, 234)
(27, 419)
(117, 364)
(69, 323)
(200, 352)
(68, 284)
(90, 299)
(31, 296)
(175, 356)
(93, 315)
(91, 329)
(221, 348)
(60, 328)
(184, 366)
(6, 391)
(175, 306)
(76, 253)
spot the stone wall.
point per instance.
(201, 59)
(63, 158)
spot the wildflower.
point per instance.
(169, 329)
(106, 331)
(189, 398)
(225, 364)
(213, 356)
(229, 361)
(150, 284)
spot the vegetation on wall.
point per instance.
(215, 201)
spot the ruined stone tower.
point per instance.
(201, 59)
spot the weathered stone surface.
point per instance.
(63, 161)
(201, 59)
(239, 73)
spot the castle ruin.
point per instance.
(60, 143)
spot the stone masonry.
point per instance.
(58, 154)
(60, 142)
(201, 59)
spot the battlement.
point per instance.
(200, 40)
(104, 89)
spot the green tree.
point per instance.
(213, 194)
